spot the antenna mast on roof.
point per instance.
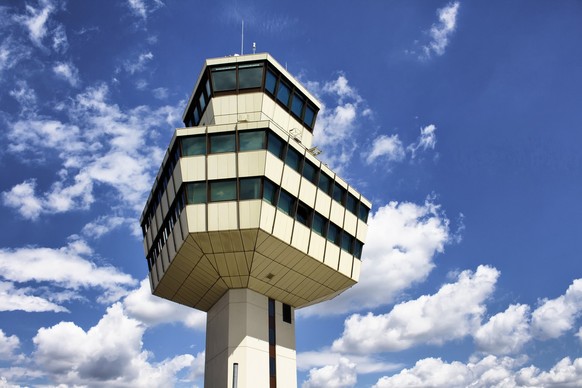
(242, 37)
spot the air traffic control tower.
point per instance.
(245, 223)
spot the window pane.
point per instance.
(196, 116)
(333, 233)
(276, 145)
(202, 101)
(324, 183)
(222, 143)
(223, 191)
(347, 242)
(293, 159)
(358, 249)
(195, 145)
(250, 76)
(363, 212)
(285, 203)
(318, 224)
(309, 115)
(303, 214)
(196, 192)
(270, 82)
(208, 89)
(283, 94)
(352, 203)
(224, 79)
(251, 140)
(338, 193)
(297, 104)
(309, 171)
(250, 188)
(269, 192)
(286, 313)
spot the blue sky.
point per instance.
(460, 121)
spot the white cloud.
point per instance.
(556, 316)
(14, 299)
(26, 97)
(579, 334)
(11, 53)
(342, 374)
(36, 20)
(364, 363)
(506, 332)
(104, 225)
(69, 269)
(160, 93)
(109, 353)
(387, 147)
(402, 240)
(60, 41)
(426, 140)
(8, 346)
(100, 145)
(68, 72)
(140, 63)
(441, 32)
(142, 305)
(453, 312)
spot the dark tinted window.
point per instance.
(338, 193)
(286, 313)
(224, 78)
(196, 192)
(309, 171)
(276, 145)
(202, 102)
(303, 213)
(347, 242)
(352, 203)
(195, 145)
(309, 116)
(286, 203)
(318, 224)
(270, 82)
(283, 94)
(324, 183)
(250, 188)
(222, 143)
(251, 140)
(297, 104)
(363, 212)
(293, 159)
(250, 76)
(333, 233)
(269, 192)
(223, 190)
(358, 249)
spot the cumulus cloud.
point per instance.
(142, 305)
(403, 239)
(104, 225)
(488, 372)
(554, 317)
(68, 72)
(109, 353)
(453, 312)
(343, 374)
(506, 332)
(364, 363)
(8, 346)
(441, 31)
(70, 269)
(100, 145)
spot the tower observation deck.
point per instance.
(245, 223)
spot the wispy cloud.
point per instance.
(139, 64)
(389, 149)
(36, 20)
(441, 31)
(68, 72)
(142, 8)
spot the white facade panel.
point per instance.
(283, 227)
(345, 263)
(317, 246)
(273, 168)
(356, 269)
(267, 217)
(193, 168)
(250, 214)
(323, 203)
(337, 214)
(362, 230)
(251, 163)
(300, 239)
(196, 218)
(222, 216)
(222, 166)
(291, 181)
(307, 192)
(332, 252)
(350, 223)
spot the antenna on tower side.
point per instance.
(254, 47)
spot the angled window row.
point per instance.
(251, 140)
(250, 77)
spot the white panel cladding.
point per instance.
(177, 174)
(146, 245)
(250, 213)
(356, 269)
(177, 232)
(317, 246)
(290, 181)
(267, 217)
(222, 166)
(300, 239)
(165, 258)
(225, 105)
(362, 230)
(323, 203)
(171, 190)
(350, 223)
(273, 168)
(283, 227)
(307, 192)
(150, 236)
(345, 264)
(251, 163)
(159, 270)
(285, 349)
(164, 204)
(222, 216)
(193, 168)
(196, 218)
(268, 108)
(281, 117)
(208, 116)
(332, 253)
(171, 246)
(337, 213)
(250, 103)
(159, 218)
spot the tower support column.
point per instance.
(250, 338)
